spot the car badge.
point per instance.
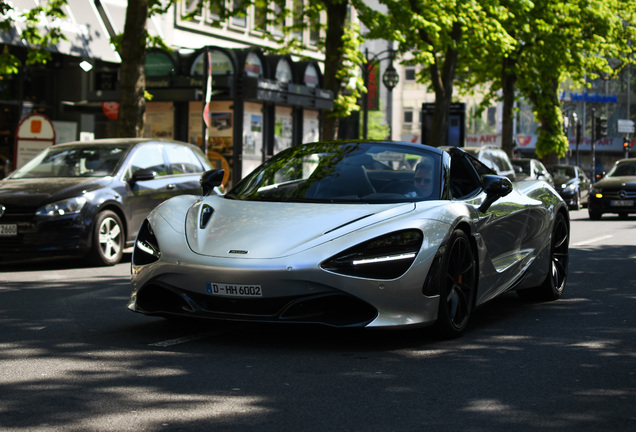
(2, 210)
(622, 194)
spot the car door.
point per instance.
(584, 185)
(185, 169)
(148, 191)
(511, 232)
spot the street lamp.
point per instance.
(390, 79)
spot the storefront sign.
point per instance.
(587, 97)
(35, 134)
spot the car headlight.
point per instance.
(64, 207)
(571, 187)
(146, 249)
(597, 193)
(385, 257)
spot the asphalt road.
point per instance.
(73, 358)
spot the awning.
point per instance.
(86, 33)
(113, 13)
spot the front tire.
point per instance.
(458, 286)
(108, 239)
(594, 214)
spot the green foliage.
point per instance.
(377, 129)
(52, 13)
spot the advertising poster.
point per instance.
(159, 120)
(252, 137)
(282, 129)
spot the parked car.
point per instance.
(353, 234)
(494, 158)
(572, 184)
(90, 198)
(533, 169)
(616, 192)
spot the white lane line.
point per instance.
(590, 241)
(184, 339)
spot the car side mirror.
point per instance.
(495, 187)
(210, 180)
(142, 174)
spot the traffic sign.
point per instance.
(625, 126)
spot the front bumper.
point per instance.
(45, 237)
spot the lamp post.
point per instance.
(390, 79)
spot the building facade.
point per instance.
(252, 105)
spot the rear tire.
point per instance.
(552, 287)
(108, 239)
(458, 286)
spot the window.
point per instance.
(409, 74)
(148, 157)
(260, 15)
(298, 9)
(408, 116)
(240, 20)
(492, 116)
(182, 160)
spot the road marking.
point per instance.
(594, 240)
(184, 339)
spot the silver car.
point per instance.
(353, 234)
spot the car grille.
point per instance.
(333, 309)
(619, 194)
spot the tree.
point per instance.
(443, 35)
(36, 40)
(553, 41)
(341, 49)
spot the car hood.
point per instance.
(34, 193)
(256, 230)
(559, 180)
(626, 182)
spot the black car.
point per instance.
(89, 198)
(572, 184)
(616, 192)
(532, 169)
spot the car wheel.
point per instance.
(577, 202)
(554, 283)
(458, 285)
(594, 215)
(108, 239)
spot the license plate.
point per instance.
(233, 290)
(622, 203)
(8, 230)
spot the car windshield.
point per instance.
(73, 161)
(562, 171)
(623, 168)
(372, 172)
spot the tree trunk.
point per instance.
(508, 80)
(336, 18)
(443, 86)
(132, 105)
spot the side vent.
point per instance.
(206, 215)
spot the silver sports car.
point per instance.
(353, 234)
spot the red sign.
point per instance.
(111, 109)
(373, 88)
